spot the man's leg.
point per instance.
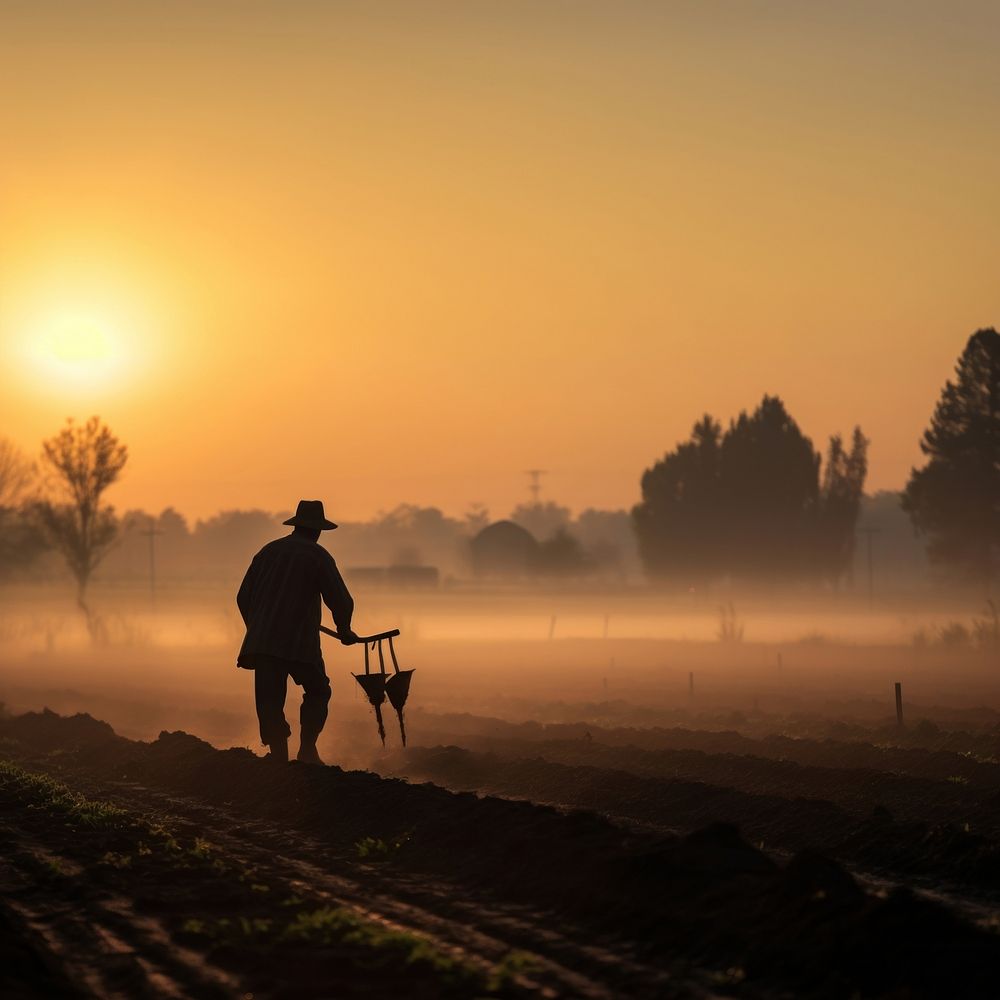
(315, 701)
(270, 686)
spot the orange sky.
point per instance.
(402, 252)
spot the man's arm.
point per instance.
(243, 594)
(338, 599)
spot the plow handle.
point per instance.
(363, 638)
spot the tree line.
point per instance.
(755, 500)
(55, 508)
(758, 501)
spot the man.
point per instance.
(279, 600)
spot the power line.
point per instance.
(535, 483)
(151, 532)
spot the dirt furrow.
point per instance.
(955, 850)
(469, 871)
(105, 950)
(64, 867)
(936, 756)
(472, 928)
(858, 789)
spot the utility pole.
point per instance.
(869, 532)
(535, 483)
(151, 532)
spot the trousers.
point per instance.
(270, 689)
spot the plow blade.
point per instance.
(397, 689)
(373, 686)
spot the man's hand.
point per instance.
(347, 636)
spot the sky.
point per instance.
(401, 252)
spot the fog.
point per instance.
(623, 656)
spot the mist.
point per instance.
(499, 501)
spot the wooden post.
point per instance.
(899, 703)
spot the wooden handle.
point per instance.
(362, 638)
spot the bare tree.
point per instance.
(16, 474)
(82, 462)
(20, 540)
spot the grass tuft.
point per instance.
(380, 849)
(47, 793)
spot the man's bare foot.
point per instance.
(308, 755)
(278, 752)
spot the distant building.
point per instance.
(504, 549)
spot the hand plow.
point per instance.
(379, 686)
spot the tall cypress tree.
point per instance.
(955, 497)
(840, 503)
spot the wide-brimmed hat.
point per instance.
(309, 514)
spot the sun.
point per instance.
(74, 350)
(82, 342)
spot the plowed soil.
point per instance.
(929, 815)
(172, 868)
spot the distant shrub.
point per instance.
(982, 634)
(814, 639)
(986, 631)
(955, 635)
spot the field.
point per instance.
(597, 814)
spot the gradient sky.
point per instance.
(384, 252)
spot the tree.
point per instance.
(769, 475)
(749, 502)
(82, 463)
(20, 540)
(16, 474)
(677, 522)
(476, 518)
(840, 501)
(955, 498)
(561, 555)
(543, 520)
(224, 542)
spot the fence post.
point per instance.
(899, 703)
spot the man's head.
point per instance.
(310, 519)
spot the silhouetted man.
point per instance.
(279, 600)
